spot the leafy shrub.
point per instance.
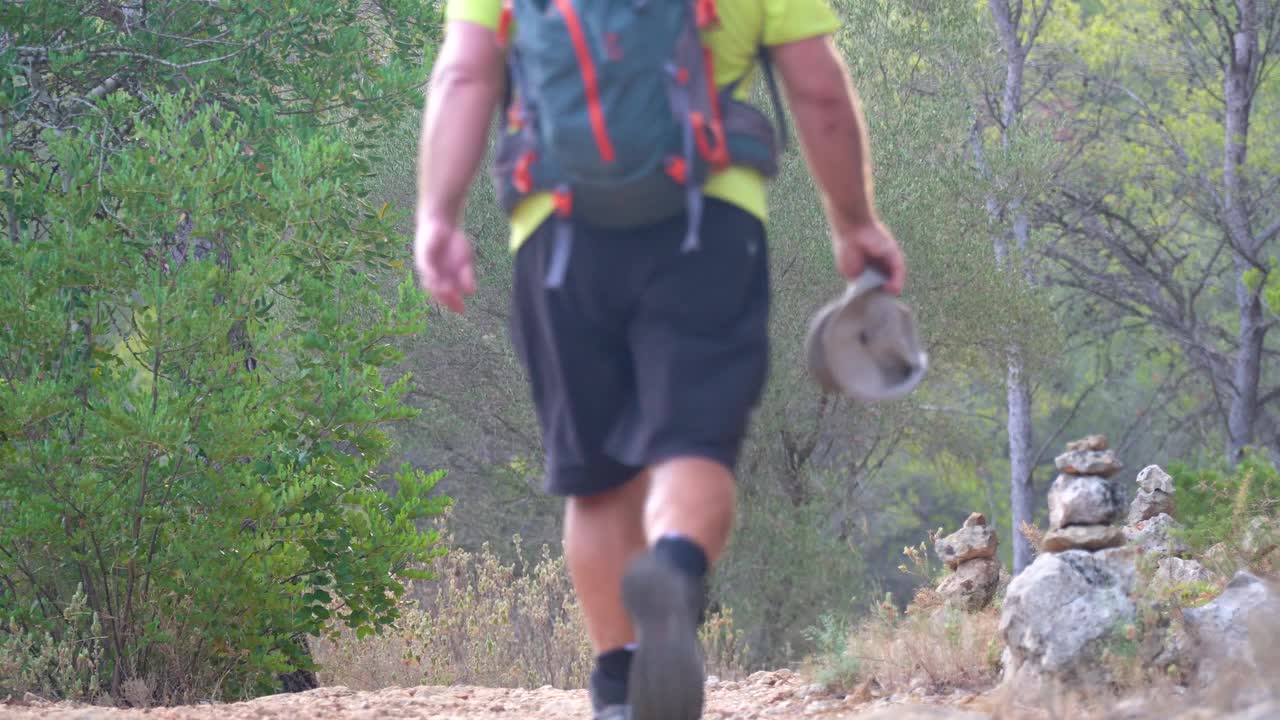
(483, 621)
(1217, 504)
(192, 352)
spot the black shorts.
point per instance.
(645, 353)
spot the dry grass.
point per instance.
(490, 623)
(931, 646)
(48, 666)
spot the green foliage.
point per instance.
(1216, 503)
(196, 366)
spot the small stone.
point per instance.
(973, 585)
(1089, 462)
(1082, 537)
(1173, 572)
(814, 690)
(1153, 477)
(821, 706)
(863, 693)
(1261, 711)
(967, 543)
(1082, 500)
(976, 519)
(1222, 560)
(1148, 504)
(1091, 442)
(1261, 537)
(1156, 537)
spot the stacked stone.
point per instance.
(1155, 495)
(1083, 502)
(970, 552)
(1151, 524)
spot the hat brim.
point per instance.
(841, 367)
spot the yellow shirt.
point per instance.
(744, 24)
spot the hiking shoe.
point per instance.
(667, 673)
(613, 712)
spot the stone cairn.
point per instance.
(1083, 502)
(971, 553)
(1151, 516)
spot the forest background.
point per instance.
(208, 313)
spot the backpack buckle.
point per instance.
(522, 177)
(562, 198)
(714, 149)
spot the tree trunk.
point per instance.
(1021, 462)
(1239, 82)
(1017, 387)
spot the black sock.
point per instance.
(682, 554)
(609, 679)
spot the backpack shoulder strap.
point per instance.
(775, 97)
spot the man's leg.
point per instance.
(602, 533)
(700, 342)
(691, 498)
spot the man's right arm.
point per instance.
(833, 136)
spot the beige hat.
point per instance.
(864, 344)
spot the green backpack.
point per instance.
(612, 107)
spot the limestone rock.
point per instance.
(921, 712)
(1082, 537)
(1087, 500)
(1056, 618)
(1261, 537)
(1156, 537)
(1092, 442)
(1175, 571)
(973, 585)
(976, 519)
(1223, 560)
(1153, 477)
(1089, 462)
(1236, 634)
(967, 543)
(1148, 504)
(1123, 562)
(1262, 711)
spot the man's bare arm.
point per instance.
(833, 137)
(830, 125)
(466, 85)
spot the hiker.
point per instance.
(633, 172)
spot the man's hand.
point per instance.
(444, 261)
(872, 244)
(466, 86)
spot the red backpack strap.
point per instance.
(504, 23)
(706, 14)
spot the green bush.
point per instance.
(1216, 504)
(192, 341)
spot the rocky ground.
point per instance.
(782, 695)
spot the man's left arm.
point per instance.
(466, 86)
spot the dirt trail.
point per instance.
(778, 695)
